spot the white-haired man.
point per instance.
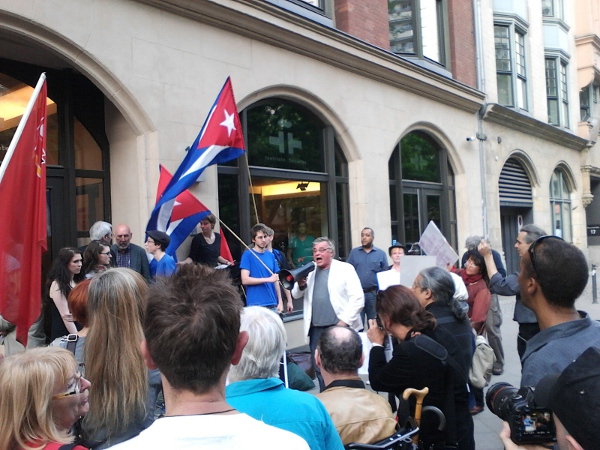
(256, 389)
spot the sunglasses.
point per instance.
(75, 389)
(534, 244)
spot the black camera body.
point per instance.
(529, 424)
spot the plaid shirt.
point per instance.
(124, 257)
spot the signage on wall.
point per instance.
(593, 230)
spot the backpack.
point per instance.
(483, 362)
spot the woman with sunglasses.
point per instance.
(96, 258)
(421, 359)
(42, 397)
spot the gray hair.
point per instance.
(330, 243)
(266, 344)
(441, 285)
(532, 232)
(341, 350)
(472, 242)
(99, 230)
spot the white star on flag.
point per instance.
(228, 122)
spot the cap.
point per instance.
(160, 237)
(574, 397)
(396, 245)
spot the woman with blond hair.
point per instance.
(123, 404)
(42, 397)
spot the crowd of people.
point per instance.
(129, 331)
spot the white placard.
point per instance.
(434, 243)
(367, 345)
(411, 265)
(387, 278)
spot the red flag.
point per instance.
(23, 213)
(224, 250)
(186, 213)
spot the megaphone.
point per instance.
(289, 277)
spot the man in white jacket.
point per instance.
(332, 295)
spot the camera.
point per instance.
(529, 424)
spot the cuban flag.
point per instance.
(220, 140)
(187, 212)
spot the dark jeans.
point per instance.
(314, 333)
(526, 332)
(369, 309)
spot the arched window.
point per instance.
(295, 174)
(421, 189)
(560, 206)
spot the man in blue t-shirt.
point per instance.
(259, 272)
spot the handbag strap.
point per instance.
(438, 351)
(72, 342)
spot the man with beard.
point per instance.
(130, 255)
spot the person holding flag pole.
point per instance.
(23, 212)
(177, 211)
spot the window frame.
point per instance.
(588, 101)
(557, 10)
(563, 202)
(561, 85)
(322, 14)
(441, 11)
(519, 84)
(444, 189)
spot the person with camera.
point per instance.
(571, 396)
(553, 275)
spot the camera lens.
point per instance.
(496, 399)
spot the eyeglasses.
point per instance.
(75, 389)
(105, 253)
(534, 244)
(321, 250)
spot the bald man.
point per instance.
(130, 255)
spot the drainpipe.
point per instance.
(481, 137)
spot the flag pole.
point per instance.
(22, 122)
(244, 244)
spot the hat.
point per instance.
(396, 245)
(574, 397)
(160, 237)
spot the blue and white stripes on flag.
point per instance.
(220, 140)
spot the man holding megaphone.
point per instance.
(332, 294)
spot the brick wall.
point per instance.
(462, 41)
(365, 19)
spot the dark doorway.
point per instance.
(512, 219)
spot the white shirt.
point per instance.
(221, 432)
